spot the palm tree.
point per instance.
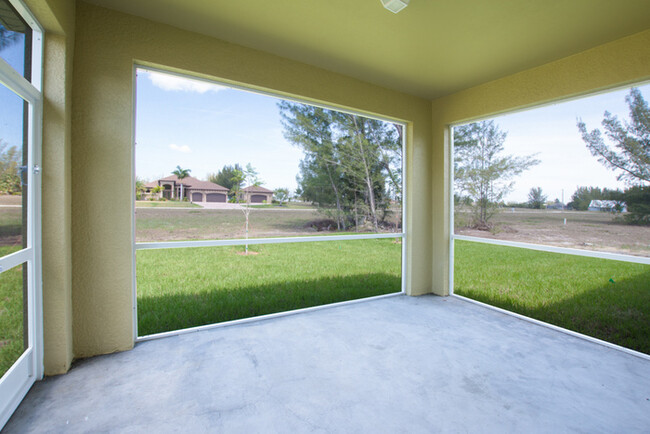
(181, 174)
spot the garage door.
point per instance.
(215, 197)
(258, 198)
(197, 197)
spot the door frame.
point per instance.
(29, 367)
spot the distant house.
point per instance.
(556, 205)
(607, 205)
(257, 194)
(193, 189)
(147, 191)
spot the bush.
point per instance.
(638, 205)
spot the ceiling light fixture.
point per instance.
(395, 5)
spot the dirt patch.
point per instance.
(321, 225)
(249, 253)
(10, 199)
(582, 230)
(11, 240)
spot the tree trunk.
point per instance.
(356, 214)
(246, 213)
(368, 179)
(339, 220)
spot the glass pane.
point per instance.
(181, 288)
(15, 40)
(536, 176)
(603, 298)
(164, 223)
(13, 195)
(216, 163)
(13, 332)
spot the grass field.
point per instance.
(606, 299)
(164, 204)
(11, 313)
(11, 226)
(180, 288)
(587, 230)
(206, 224)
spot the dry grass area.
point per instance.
(205, 224)
(215, 224)
(7, 199)
(583, 230)
(11, 226)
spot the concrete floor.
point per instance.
(401, 364)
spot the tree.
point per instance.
(536, 199)
(630, 156)
(362, 161)
(281, 195)
(156, 191)
(225, 176)
(637, 199)
(181, 174)
(351, 166)
(310, 128)
(583, 196)
(7, 37)
(139, 188)
(481, 172)
(237, 179)
(632, 160)
(10, 158)
(249, 176)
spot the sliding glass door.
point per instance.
(20, 238)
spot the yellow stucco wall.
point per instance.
(57, 19)
(87, 244)
(107, 45)
(621, 62)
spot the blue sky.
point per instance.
(11, 118)
(202, 127)
(551, 131)
(11, 105)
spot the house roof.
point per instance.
(595, 203)
(152, 184)
(430, 49)
(192, 183)
(256, 189)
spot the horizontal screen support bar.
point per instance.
(251, 241)
(553, 249)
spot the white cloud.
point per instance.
(175, 83)
(184, 149)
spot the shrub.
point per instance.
(638, 205)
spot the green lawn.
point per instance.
(11, 223)
(606, 299)
(11, 313)
(180, 288)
